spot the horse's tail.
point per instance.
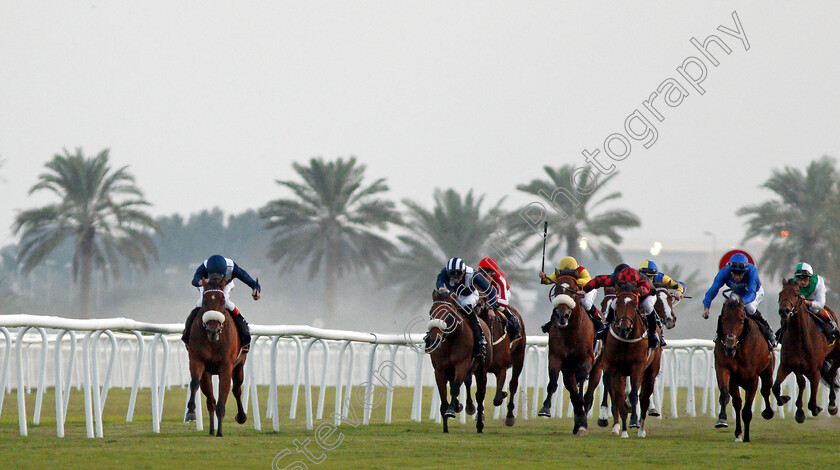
(825, 374)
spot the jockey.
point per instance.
(812, 288)
(218, 264)
(461, 279)
(490, 269)
(742, 277)
(628, 279)
(657, 278)
(568, 266)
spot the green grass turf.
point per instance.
(675, 443)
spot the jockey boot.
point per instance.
(719, 331)
(602, 332)
(765, 328)
(547, 327)
(185, 337)
(426, 339)
(242, 329)
(653, 338)
(828, 328)
(596, 318)
(479, 343)
(514, 327)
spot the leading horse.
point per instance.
(570, 341)
(742, 356)
(214, 350)
(450, 348)
(804, 351)
(626, 354)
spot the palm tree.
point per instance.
(331, 223)
(100, 210)
(600, 233)
(802, 224)
(456, 226)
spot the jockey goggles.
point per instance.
(456, 273)
(738, 267)
(802, 274)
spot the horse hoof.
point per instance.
(634, 424)
(510, 421)
(460, 408)
(545, 412)
(642, 433)
(654, 412)
(832, 410)
(498, 402)
(816, 411)
(581, 432)
(602, 423)
(768, 413)
(721, 423)
(738, 438)
(218, 434)
(624, 435)
(241, 418)
(190, 418)
(782, 400)
(470, 409)
(799, 416)
(615, 430)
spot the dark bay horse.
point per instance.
(742, 356)
(804, 351)
(213, 350)
(451, 346)
(505, 355)
(570, 341)
(626, 354)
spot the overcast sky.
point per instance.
(209, 102)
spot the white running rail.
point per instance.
(121, 352)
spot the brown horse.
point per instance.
(213, 349)
(451, 346)
(570, 351)
(626, 354)
(742, 356)
(804, 351)
(505, 355)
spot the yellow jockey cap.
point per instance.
(567, 263)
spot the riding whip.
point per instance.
(545, 235)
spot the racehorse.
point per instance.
(570, 351)
(504, 355)
(451, 346)
(626, 354)
(804, 351)
(742, 356)
(214, 350)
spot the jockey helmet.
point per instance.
(455, 267)
(648, 268)
(628, 276)
(216, 264)
(738, 263)
(803, 270)
(619, 268)
(489, 264)
(567, 263)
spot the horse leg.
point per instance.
(814, 378)
(206, 385)
(224, 391)
(571, 384)
(749, 397)
(635, 382)
(648, 380)
(553, 375)
(736, 404)
(800, 384)
(603, 411)
(619, 406)
(468, 385)
(723, 385)
(196, 370)
(460, 375)
(518, 361)
(766, 385)
(238, 379)
(480, 393)
(500, 387)
(781, 375)
(594, 380)
(440, 379)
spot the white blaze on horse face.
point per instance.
(664, 297)
(627, 300)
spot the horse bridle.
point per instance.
(632, 319)
(204, 325)
(794, 306)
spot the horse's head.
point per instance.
(789, 299)
(442, 319)
(626, 314)
(213, 321)
(213, 297)
(564, 305)
(664, 308)
(733, 319)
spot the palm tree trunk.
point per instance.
(572, 247)
(87, 273)
(330, 283)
